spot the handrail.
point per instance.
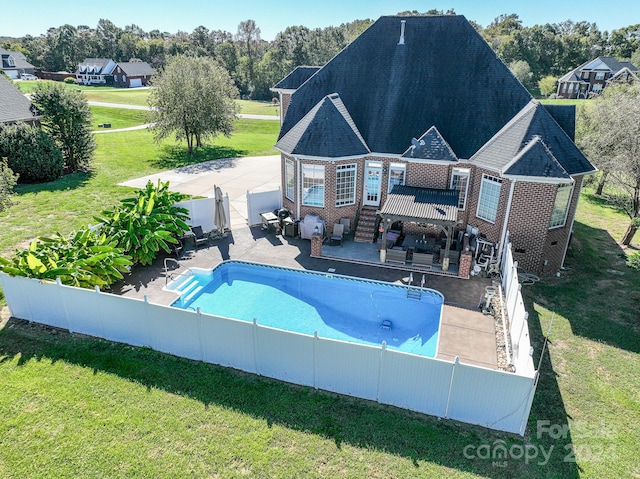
(166, 271)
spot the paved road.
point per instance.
(235, 176)
(146, 108)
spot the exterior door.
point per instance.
(372, 184)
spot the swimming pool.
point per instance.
(335, 306)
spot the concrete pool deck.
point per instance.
(465, 332)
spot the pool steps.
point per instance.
(189, 289)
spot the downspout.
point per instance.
(506, 221)
(573, 219)
(298, 188)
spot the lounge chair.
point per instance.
(338, 232)
(396, 256)
(347, 225)
(176, 248)
(423, 259)
(200, 236)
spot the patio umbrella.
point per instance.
(220, 218)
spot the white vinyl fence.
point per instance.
(202, 212)
(494, 399)
(262, 202)
(517, 315)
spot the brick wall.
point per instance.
(285, 99)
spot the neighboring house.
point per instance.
(424, 103)
(132, 74)
(593, 76)
(14, 106)
(14, 64)
(95, 71)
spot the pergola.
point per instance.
(423, 206)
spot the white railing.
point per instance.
(491, 398)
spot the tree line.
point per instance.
(255, 64)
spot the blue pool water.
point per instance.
(337, 307)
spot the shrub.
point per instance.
(633, 260)
(7, 181)
(67, 120)
(85, 259)
(145, 224)
(69, 80)
(31, 153)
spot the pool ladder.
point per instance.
(415, 291)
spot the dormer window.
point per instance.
(11, 61)
(599, 75)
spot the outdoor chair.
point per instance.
(347, 225)
(422, 259)
(200, 236)
(338, 232)
(396, 256)
(176, 248)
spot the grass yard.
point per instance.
(71, 202)
(258, 107)
(118, 117)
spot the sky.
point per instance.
(35, 17)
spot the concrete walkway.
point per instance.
(146, 108)
(235, 176)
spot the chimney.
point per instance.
(402, 24)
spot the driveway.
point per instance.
(235, 176)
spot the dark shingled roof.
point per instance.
(14, 106)
(533, 120)
(596, 64)
(20, 61)
(565, 116)
(444, 75)
(430, 146)
(136, 69)
(536, 158)
(326, 131)
(422, 203)
(296, 78)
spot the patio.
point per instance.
(465, 332)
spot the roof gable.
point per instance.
(430, 146)
(533, 120)
(443, 74)
(136, 68)
(326, 131)
(535, 160)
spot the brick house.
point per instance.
(593, 76)
(132, 74)
(414, 108)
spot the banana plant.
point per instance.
(84, 259)
(147, 222)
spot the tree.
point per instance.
(547, 85)
(30, 153)
(522, 72)
(611, 138)
(7, 182)
(193, 98)
(67, 120)
(248, 38)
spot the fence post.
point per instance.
(456, 362)
(255, 346)
(316, 339)
(147, 318)
(60, 292)
(203, 352)
(383, 353)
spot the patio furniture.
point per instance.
(336, 235)
(396, 256)
(347, 225)
(454, 256)
(177, 248)
(269, 222)
(423, 259)
(200, 236)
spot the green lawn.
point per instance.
(117, 117)
(258, 107)
(71, 202)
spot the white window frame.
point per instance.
(600, 75)
(461, 173)
(289, 179)
(346, 176)
(313, 176)
(489, 198)
(397, 167)
(11, 61)
(561, 206)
